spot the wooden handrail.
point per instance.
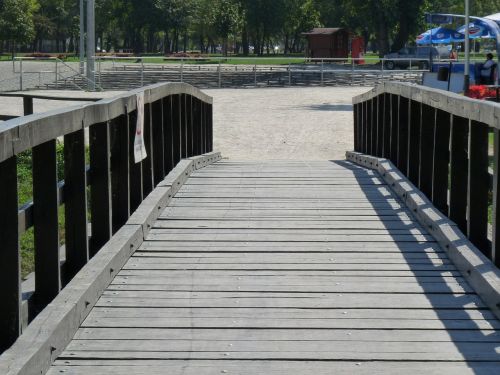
(178, 124)
(440, 141)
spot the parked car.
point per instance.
(414, 56)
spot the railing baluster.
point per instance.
(495, 248)
(158, 142)
(477, 198)
(135, 174)
(119, 162)
(426, 147)
(459, 172)
(394, 128)
(364, 132)
(380, 125)
(75, 198)
(167, 134)
(100, 188)
(190, 125)
(414, 133)
(176, 127)
(147, 164)
(355, 126)
(404, 106)
(441, 161)
(373, 126)
(184, 126)
(210, 134)
(10, 258)
(386, 149)
(46, 229)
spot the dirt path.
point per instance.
(283, 123)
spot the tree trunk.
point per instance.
(244, 41)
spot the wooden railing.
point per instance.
(441, 142)
(103, 193)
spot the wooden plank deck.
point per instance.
(286, 268)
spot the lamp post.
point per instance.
(82, 39)
(90, 44)
(467, 47)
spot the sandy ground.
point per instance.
(268, 123)
(284, 123)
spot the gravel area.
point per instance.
(284, 123)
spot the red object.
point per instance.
(327, 42)
(480, 92)
(358, 49)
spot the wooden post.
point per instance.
(176, 128)
(183, 129)
(477, 197)
(380, 125)
(10, 258)
(404, 106)
(459, 172)
(369, 126)
(415, 123)
(426, 148)
(355, 127)
(189, 125)
(441, 161)
(210, 133)
(46, 228)
(100, 188)
(386, 149)
(158, 142)
(168, 134)
(135, 170)
(119, 162)
(394, 128)
(147, 164)
(75, 198)
(495, 248)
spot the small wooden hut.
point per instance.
(327, 42)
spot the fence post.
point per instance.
(21, 75)
(441, 160)
(477, 197)
(386, 153)
(459, 172)
(75, 200)
(46, 228)
(220, 75)
(321, 72)
(182, 70)
(495, 245)
(289, 74)
(10, 258)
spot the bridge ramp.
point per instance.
(286, 268)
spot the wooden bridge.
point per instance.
(194, 264)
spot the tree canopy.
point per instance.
(249, 26)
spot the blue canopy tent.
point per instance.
(477, 29)
(440, 35)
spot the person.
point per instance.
(486, 69)
(453, 55)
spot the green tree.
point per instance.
(16, 22)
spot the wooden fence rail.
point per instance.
(441, 142)
(178, 124)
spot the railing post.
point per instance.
(135, 170)
(441, 161)
(255, 75)
(289, 74)
(177, 128)
(220, 74)
(414, 143)
(10, 258)
(364, 112)
(182, 70)
(75, 199)
(158, 141)
(46, 228)
(426, 145)
(57, 75)
(495, 245)
(147, 164)
(459, 172)
(369, 126)
(100, 188)
(168, 134)
(380, 125)
(189, 125)
(386, 149)
(27, 105)
(477, 197)
(404, 106)
(322, 72)
(394, 128)
(356, 126)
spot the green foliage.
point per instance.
(16, 20)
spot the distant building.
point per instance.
(327, 42)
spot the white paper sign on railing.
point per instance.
(139, 146)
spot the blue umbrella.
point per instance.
(477, 29)
(440, 35)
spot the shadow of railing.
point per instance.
(472, 328)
